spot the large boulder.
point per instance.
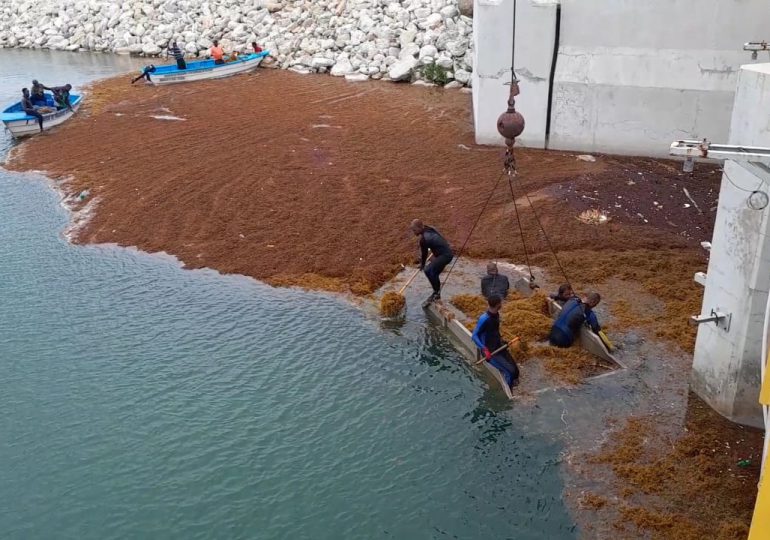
(402, 69)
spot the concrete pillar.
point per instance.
(492, 32)
(726, 366)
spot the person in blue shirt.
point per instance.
(487, 338)
(431, 239)
(573, 316)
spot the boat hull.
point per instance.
(20, 125)
(206, 69)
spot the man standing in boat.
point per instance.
(431, 239)
(178, 55)
(487, 338)
(37, 95)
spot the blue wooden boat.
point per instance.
(20, 124)
(206, 69)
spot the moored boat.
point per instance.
(206, 69)
(20, 124)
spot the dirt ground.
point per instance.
(312, 181)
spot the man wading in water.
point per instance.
(430, 239)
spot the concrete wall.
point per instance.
(726, 367)
(631, 76)
(492, 23)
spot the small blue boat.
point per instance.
(20, 124)
(206, 69)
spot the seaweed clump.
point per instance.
(528, 319)
(392, 304)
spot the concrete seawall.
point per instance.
(629, 77)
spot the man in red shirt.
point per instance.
(217, 53)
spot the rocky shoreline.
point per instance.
(411, 40)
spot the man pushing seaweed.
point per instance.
(487, 338)
(431, 239)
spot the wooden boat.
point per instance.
(20, 124)
(206, 69)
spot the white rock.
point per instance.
(342, 67)
(421, 13)
(319, 62)
(402, 69)
(428, 50)
(150, 49)
(462, 76)
(453, 85)
(356, 77)
(433, 21)
(445, 62)
(409, 51)
(423, 83)
(448, 12)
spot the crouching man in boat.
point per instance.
(494, 283)
(575, 313)
(431, 239)
(37, 95)
(487, 338)
(29, 108)
(61, 96)
(563, 295)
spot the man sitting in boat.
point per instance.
(494, 283)
(575, 313)
(29, 108)
(217, 53)
(487, 338)
(563, 295)
(178, 55)
(257, 48)
(61, 96)
(37, 95)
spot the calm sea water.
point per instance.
(140, 400)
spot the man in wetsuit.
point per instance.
(431, 239)
(29, 108)
(573, 316)
(487, 338)
(494, 283)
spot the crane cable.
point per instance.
(467, 238)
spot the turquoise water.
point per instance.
(140, 400)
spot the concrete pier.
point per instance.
(726, 368)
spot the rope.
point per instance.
(462, 249)
(521, 229)
(547, 240)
